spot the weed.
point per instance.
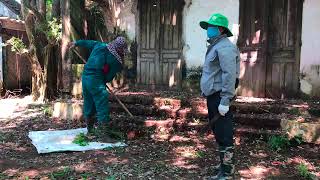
(278, 143)
(48, 111)
(294, 111)
(296, 141)
(65, 173)
(314, 112)
(304, 172)
(2, 139)
(85, 176)
(200, 154)
(113, 177)
(3, 176)
(81, 139)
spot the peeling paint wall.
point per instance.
(194, 37)
(310, 50)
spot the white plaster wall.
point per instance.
(310, 50)
(5, 12)
(195, 37)
(125, 17)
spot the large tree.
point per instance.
(43, 34)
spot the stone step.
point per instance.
(136, 127)
(200, 103)
(73, 110)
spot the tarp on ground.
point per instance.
(62, 140)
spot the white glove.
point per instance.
(223, 109)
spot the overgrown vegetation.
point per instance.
(304, 172)
(281, 142)
(17, 45)
(192, 79)
(294, 111)
(81, 139)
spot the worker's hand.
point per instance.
(71, 45)
(223, 110)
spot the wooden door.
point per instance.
(148, 48)
(252, 43)
(170, 42)
(284, 48)
(269, 42)
(159, 51)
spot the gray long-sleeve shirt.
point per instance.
(220, 69)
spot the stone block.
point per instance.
(310, 131)
(68, 110)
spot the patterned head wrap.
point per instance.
(118, 48)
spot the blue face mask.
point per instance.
(213, 32)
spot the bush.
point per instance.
(278, 143)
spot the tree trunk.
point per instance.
(39, 83)
(56, 10)
(42, 7)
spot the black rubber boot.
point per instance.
(226, 170)
(90, 125)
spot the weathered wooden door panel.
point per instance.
(284, 47)
(148, 61)
(170, 43)
(269, 43)
(252, 43)
(159, 57)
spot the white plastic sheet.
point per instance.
(59, 141)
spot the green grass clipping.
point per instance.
(81, 139)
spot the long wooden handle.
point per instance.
(123, 106)
(111, 92)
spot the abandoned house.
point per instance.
(277, 39)
(14, 70)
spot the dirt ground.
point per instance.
(180, 155)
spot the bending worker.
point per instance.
(104, 62)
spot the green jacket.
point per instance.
(98, 59)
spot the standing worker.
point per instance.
(218, 83)
(104, 62)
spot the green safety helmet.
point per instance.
(217, 20)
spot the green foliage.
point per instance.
(297, 140)
(85, 176)
(278, 143)
(304, 172)
(113, 177)
(54, 31)
(81, 139)
(192, 78)
(48, 111)
(294, 111)
(200, 154)
(17, 45)
(65, 173)
(3, 176)
(194, 73)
